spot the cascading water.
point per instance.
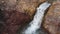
(37, 20)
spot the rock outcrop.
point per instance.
(52, 19)
(28, 6)
(16, 13)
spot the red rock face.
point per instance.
(13, 20)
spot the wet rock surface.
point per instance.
(52, 19)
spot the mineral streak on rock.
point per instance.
(52, 18)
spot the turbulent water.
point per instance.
(37, 20)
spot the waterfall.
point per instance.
(37, 20)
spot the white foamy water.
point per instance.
(37, 20)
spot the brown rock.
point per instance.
(17, 13)
(28, 6)
(13, 20)
(52, 19)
